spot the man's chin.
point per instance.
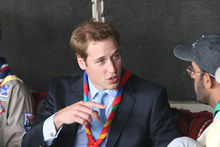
(112, 86)
(200, 101)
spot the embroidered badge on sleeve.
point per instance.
(4, 91)
(2, 109)
(28, 121)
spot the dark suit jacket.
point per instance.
(143, 117)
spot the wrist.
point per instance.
(57, 122)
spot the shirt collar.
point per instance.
(217, 109)
(92, 90)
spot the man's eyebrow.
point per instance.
(102, 57)
(117, 51)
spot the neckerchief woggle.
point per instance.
(117, 99)
(217, 108)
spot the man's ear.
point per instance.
(81, 62)
(207, 80)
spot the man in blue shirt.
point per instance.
(136, 111)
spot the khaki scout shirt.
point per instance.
(17, 101)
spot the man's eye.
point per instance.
(100, 60)
(116, 56)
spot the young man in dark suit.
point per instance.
(132, 112)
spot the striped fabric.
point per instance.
(92, 143)
(4, 69)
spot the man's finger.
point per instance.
(93, 104)
(84, 116)
(88, 111)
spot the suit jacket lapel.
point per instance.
(76, 94)
(122, 114)
(73, 95)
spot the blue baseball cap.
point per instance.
(205, 52)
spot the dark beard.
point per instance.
(202, 95)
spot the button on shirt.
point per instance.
(81, 139)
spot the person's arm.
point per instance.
(79, 112)
(49, 130)
(162, 124)
(20, 103)
(34, 137)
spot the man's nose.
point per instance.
(111, 66)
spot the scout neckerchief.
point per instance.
(217, 108)
(4, 69)
(5, 76)
(92, 143)
(5, 72)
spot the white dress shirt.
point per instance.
(184, 142)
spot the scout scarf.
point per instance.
(92, 143)
(217, 108)
(5, 72)
(5, 76)
(4, 69)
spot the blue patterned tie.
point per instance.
(97, 126)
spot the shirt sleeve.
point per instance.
(19, 103)
(49, 130)
(184, 142)
(213, 137)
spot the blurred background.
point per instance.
(35, 37)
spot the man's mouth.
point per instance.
(113, 79)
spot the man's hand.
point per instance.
(80, 112)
